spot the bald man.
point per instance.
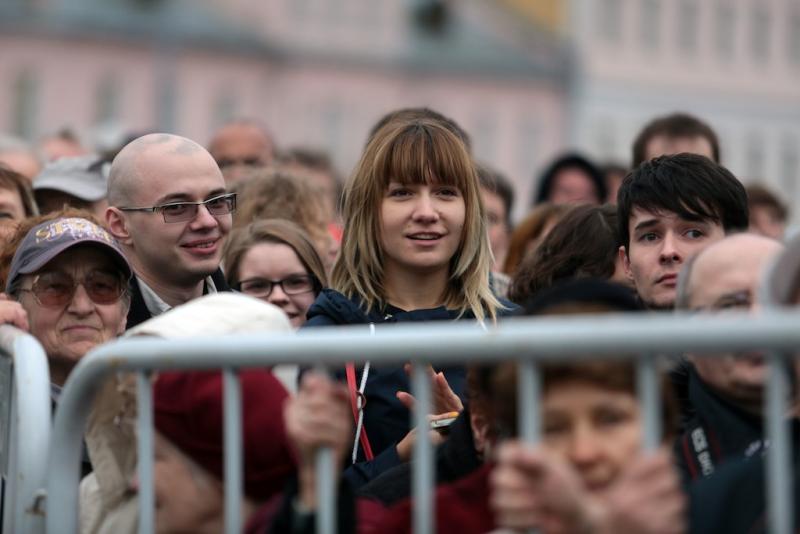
(723, 395)
(240, 147)
(169, 209)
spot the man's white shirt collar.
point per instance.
(156, 306)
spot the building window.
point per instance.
(107, 100)
(333, 126)
(790, 166)
(793, 37)
(725, 32)
(687, 26)
(759, 33)
(650, 24)
(485, 135)
(605, 138)
(25, 96)
(371, 12)
(754, 148)
(223, 108)
(527, 146)
(609, 17)
(299, 10)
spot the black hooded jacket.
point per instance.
(386, 419)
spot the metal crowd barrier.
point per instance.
(528, 340)
(24, 430)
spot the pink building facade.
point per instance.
(319, 73)
(734, 63)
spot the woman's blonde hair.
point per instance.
(413, 151)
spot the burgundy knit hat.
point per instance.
(188, 411)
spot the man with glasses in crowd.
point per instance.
(169, 210)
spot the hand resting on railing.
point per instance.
(12, 312)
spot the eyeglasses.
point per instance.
(174, 212)
(262, 288)
(57, 289)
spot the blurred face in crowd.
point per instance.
(22, 162)
(68, 330)
(187, 497)
(240, 148)
(572, 186)
(764, 221)
(174, 254)
(421, 228)
(595, 429)
(55, 147)
(266, 264)
(496, 216)
(12, 211)
(660, 243)
(726, 277)
(662, 145)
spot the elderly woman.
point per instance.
(70, 281)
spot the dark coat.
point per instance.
(732, 500)
(455, 459)
(462, 507)
(386, 419)
(138, 313)
(713, 430)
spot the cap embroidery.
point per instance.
(76, 228)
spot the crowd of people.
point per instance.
(165, 237)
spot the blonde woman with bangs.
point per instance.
(415, 248)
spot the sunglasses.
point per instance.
(57, 289)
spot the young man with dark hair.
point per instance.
(669, 209)
(674, 134)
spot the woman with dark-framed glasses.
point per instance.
(274, 260)
(70, 280)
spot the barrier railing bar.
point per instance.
(232, 421)
(326, 492)
(648, 390)
(575, 339)
(542, 338)
(326, 480)
(779, 472)
(145, 451)
(529, 397)
(30, 423)
(529, 394)
(423, 468)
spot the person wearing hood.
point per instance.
(415, 248)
